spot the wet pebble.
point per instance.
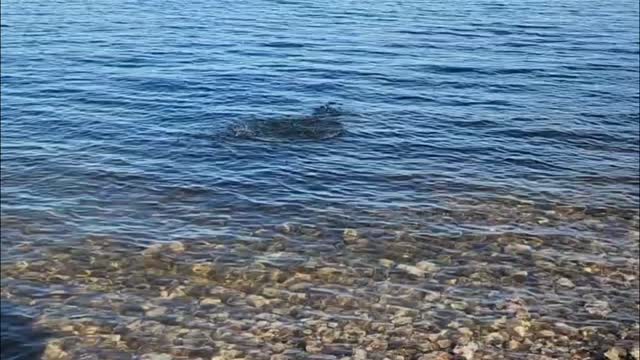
(176, 247)
(518, 249)
(546, 334)
(466, 351)
(520, 276)
(435, 355)
(566, 283)
(494, 338)
(427, 266)
(360, 354)
(598, 307)
(411, 270)
(54, 351)
(615, 353)
(350, 236)
(156, 356)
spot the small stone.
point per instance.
(466, 351)
(427, 266)
(278, 275)
(459, 305)
(257, 301)
(271, 292)
(360, 354)
(435, 355)
(157, 311)
(635, 352)
(513, 345)
(278, 347)
(88, 330)
(520, 331)
(176, 247)
(377, 346)
(112, 337)
(386, 263)
(433, 337)
(201, 269)
(402, 320)
(350, 235)
(152, 250)
(495, 338)
(412, 270)
(518, 248)
(284, 228)
(520, 276)
(598, 307)
(277, 246)
(444, 343)
(432, 296)
(54, 351)
(564, 282)
(404, 236)
(615, 353)
(546, 334)
(156, 356)
(210, 301)
(314, 347)
(322, 357)
(565, 329)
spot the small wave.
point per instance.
(450, 69)
(284, 44)
(533, 163)
(500, 32)
(515, 71)
(475, 124)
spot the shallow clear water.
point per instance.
(463, 128)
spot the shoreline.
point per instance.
(382, 295)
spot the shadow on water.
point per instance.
(19, 339)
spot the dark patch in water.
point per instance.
(19, 340)
(324, 123)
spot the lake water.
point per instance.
(460, 163)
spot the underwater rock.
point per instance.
(427, 266)
(466, 351)
(564, 282)
(54, 351)
(350, 236)
(598, 307)
(412, 270)
(615, 353)
(156, 356)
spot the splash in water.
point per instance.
(323, 123)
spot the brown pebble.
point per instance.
(444, 343)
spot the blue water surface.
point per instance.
(109, 108)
